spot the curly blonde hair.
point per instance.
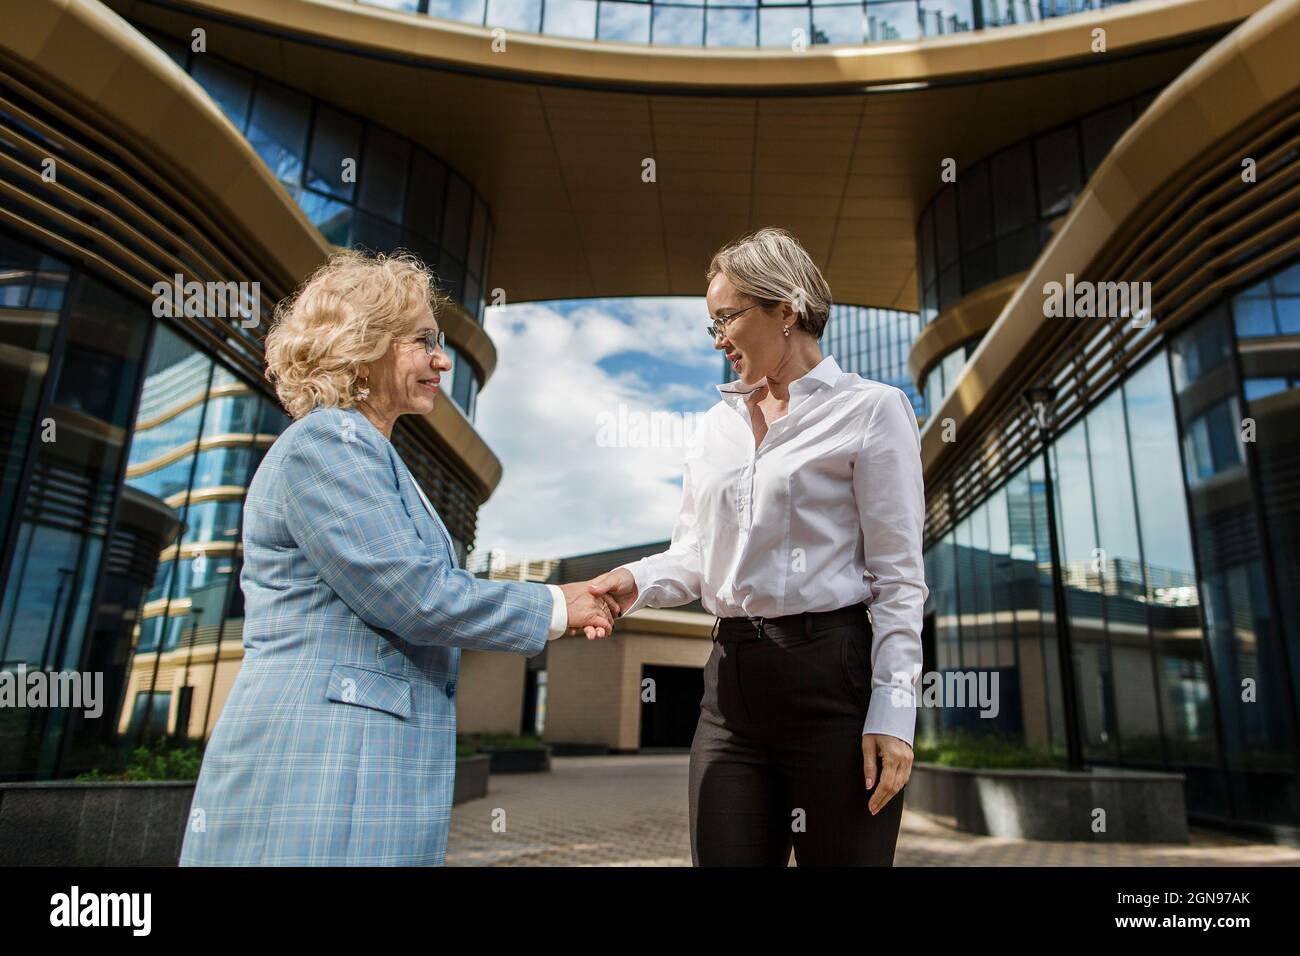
(346, 314)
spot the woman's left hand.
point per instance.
(895, 758)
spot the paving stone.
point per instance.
(631, 811)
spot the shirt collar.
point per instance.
(825, 372)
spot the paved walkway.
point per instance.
(631, 811)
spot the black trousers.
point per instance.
(777, 756)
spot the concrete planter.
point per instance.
(519, 760)
(471, 778)
(1140, 806)
(111, 823)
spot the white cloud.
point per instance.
(561, 492)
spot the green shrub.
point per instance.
(500, 741)
(163, 760)
(984, 752)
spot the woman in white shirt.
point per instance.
(802, 505)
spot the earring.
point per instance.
(787, 330)
(361, 389)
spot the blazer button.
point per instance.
(451, 688)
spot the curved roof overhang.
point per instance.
(842, 145)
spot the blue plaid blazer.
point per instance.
(337, 744)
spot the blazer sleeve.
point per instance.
(343, 509)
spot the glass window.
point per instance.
(966, 595)
(1012, 174)
(731, 27)
(782, 26)
(277, 129)
(1253, 316)
(515, 14)
(975, 207)
(1057, 156)
(839, 24)
(336, 139)
(149, 715)
(949, 285)
(1101, 131)
(1016, 252)
(678, 26)
(941, 17)
(383, 174)
(466, 11)
(925, 252)
(945, 225)
(332, 217)
(1238, 619)
(374, 233)
(455, 227)
(47, 611)
(1168, 566)
(1272, 397)
(893, 21)
(978, 268)
(1077, 541)
(628, 22)
(424, 197)
(570, 18)
(228, 85)
(1123, 582)
(31, 295)
(478, 238)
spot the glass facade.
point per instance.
(359, 183)
(1002, 210)
(69, 567)
(199, 435)
(1177, 523)
(744, 23)
(941, 379)
(871, 342)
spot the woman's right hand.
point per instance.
(618, 585)
(592, 613)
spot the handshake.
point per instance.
(594, 605)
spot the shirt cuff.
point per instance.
(640, 574)
(892, 711)
(559, 613)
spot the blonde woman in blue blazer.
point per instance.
(337, 743)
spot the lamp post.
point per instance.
(1041, 400)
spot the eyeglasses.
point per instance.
(717, 328)
(433, 341)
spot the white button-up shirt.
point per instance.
(827, 511)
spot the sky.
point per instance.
(575, 481)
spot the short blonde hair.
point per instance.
(770, 265)
(345, 315)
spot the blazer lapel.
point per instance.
(427, 506)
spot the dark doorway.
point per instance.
(669, 720)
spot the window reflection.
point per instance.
(199, 436)
(70, 489)
(1134, 608)
(1239, 621)
(683, 22)
(994, 220)
(362, 184)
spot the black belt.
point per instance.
(731, 629)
